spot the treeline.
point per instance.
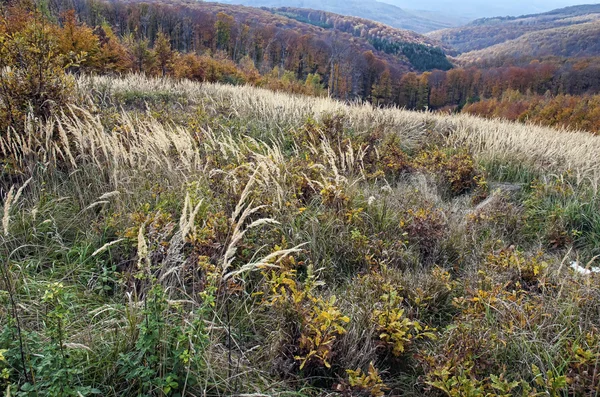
(453, 89)
(547, 93)
(580, 112)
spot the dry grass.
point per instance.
(148, 144)
(544, 148)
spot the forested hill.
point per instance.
(360, 27)
(575, 41)
(488, 32)
(349, 54)
(421, 51)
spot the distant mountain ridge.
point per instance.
(474, 9)
(567, 32)
(389, 14)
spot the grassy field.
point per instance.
(184, 239)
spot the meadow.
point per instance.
(174, 238)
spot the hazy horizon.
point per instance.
(482, 8)
(465, 10)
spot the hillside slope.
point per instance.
(368, 9)
(167, 237)
(421, 51)
(488, 32)
(265, 28)
(349, 57)
(200, 239)
(579, 40)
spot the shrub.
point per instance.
(359, 383)
(32, 70)
(394, 161)
(455, 168)
(319, 320)
(395, 330)
(426, 227)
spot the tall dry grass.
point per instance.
(546, 149)
(146, 143)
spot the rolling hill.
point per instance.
(575, 41)
(570, 31)
(478, 9)
(422, 52)
(389, 14)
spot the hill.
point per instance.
(177, 237)
(543, 28)
(422, 52)
(474, 9)
(367, 9)
(349, 53)
(348, 56)
(576, 41)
